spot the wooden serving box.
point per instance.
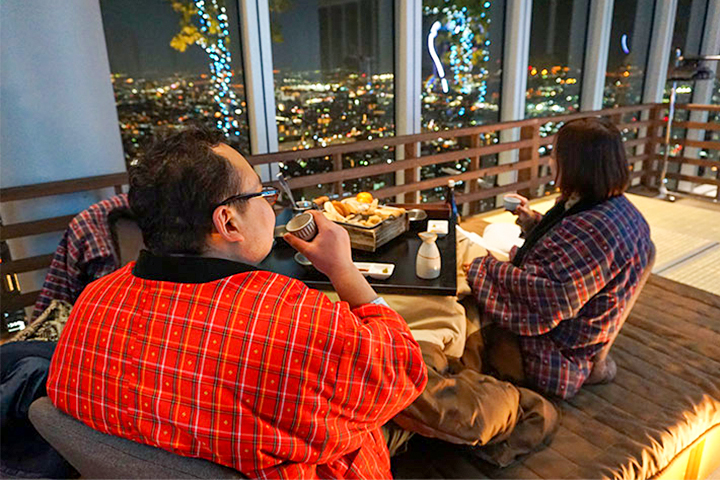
(370, 239)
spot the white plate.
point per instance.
(378, 271)
(439, 227)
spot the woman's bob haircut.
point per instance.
(591, 162)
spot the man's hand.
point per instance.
(331, 254)
(329, 251)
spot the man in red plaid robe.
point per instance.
(195, 350)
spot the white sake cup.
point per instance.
(302, 226)
(511, 203)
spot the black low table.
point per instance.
(400, 251)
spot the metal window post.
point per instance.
(657, 64)
(514, 79)
(596, 55)
(259, 84)
(702, 90)
(660, 45)
(408, 49)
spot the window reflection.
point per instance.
(557, 52)
(628, 52)
(174, 65)
(334, 81)
(461, 63)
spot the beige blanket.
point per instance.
(460, 404)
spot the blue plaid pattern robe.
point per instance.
(566, 299)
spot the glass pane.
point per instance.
(461, 62)
(334, 79)
(628, 52)
(334, 68)
(687, 36)
(461, 82)
(171, 66)
(557, 51)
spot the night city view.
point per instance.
(334, 74)
(371, 239)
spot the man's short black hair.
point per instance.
(174, 188)
(591, 161)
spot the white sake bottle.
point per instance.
(427, 262)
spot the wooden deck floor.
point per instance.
(689, 321)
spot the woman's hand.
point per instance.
(527, 217)
(523, 201)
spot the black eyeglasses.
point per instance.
(268, 193)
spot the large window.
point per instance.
(557, 52)
(333, 63)
(461, 80)
(334, 83)
(174, 65)
(687, 37)
(628, 52)
(461, 62)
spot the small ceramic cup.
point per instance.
(302, 226)
(510, 203)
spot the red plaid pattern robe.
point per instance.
(253, 370)
(565, 301)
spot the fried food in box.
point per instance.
(320, 201)
(354, 212)
(341, 209)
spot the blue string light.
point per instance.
(459, 24)
(220, 65)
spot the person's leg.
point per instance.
(502, 354)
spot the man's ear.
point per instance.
(227, 224)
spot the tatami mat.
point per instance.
(702, 271)
(687, 238)
(675, 248)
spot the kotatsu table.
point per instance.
(400, 251)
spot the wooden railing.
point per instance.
(473, 147)
(644, 123)
(682, 159)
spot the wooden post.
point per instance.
(412, 174)
(653, 137)
(474, 166)
(529, 153)
(337, 166)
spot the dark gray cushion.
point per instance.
(98, 455)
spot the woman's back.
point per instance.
(598, 256)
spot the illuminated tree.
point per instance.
(205, 23)
(463, 25)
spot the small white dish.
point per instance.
(378, 271)
(440, 227)
(302, 259)
(416, 215)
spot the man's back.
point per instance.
(211, 358)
